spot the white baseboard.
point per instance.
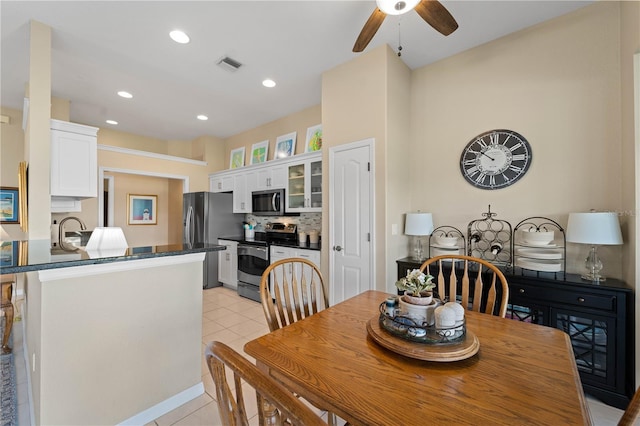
(165, 406)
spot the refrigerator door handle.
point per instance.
(190, 228)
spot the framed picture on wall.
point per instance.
(285, 146)
(236, 159)
(259, 152)
(9, 210)
(314, 139)
(9, 253)
(143, 209)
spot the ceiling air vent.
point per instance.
(229, 64)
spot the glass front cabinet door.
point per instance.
(304, 186)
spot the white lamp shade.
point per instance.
(395, 7)
(106, 242)
(598, 228)
(418, 224)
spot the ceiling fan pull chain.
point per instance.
(399, 42)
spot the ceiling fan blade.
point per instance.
(436, 15)
(369, 30)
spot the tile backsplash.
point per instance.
(306, 221)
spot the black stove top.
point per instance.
(281, 232)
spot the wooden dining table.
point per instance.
(522, 373)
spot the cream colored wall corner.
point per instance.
(558, 84)
(38, 134)
(354, 108)
(630, 90)
(398, 176)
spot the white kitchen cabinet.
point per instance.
(242, 187)
(74, 164)
(279, 252)
(271, 177)
(228, 264)
(311, 255)
(304, 185)
(223, 183)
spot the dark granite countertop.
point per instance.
(36, 255)
(260, 240)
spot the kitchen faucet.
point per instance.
(61, 232)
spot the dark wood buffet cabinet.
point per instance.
(599, 319)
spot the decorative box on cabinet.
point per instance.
(74, 165)
(599, 320)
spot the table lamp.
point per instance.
(594, 228)
(418, 224)
(106, 242)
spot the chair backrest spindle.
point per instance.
(464, 266)
(276, 405)
(294, 288)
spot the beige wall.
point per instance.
(38, 135)
(297, 122)
(397, 155)
(630, 45)
(557, 84)
(354, 108)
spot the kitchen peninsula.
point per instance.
(111, 340)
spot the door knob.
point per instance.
(337, 248)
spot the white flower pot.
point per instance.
(420, 313)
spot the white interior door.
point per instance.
(351, 220)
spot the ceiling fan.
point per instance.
(432, 11)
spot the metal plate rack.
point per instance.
(551, 257)
(490, 239)
(436, 249)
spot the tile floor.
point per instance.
(233, 320)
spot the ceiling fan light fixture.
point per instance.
(396, 7)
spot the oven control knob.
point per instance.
(337, 248)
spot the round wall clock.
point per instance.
(495, 159)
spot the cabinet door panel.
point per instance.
(74, 171)
(593, 344)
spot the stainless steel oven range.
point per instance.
(253, 259)
(253, 256)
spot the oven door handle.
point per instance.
(259, 252)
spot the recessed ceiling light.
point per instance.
(114, 122)
(269, 83)
(125, 94)
(179, 37)
(202, 117)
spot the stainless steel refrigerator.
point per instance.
(206, 216)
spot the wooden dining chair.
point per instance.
(468, 270)
(291, 289)
(276, 405)
(631, 413)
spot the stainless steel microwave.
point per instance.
(268, 203)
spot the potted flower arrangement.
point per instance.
(417, 287)
(417, 301)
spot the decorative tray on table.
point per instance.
(406, 336)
